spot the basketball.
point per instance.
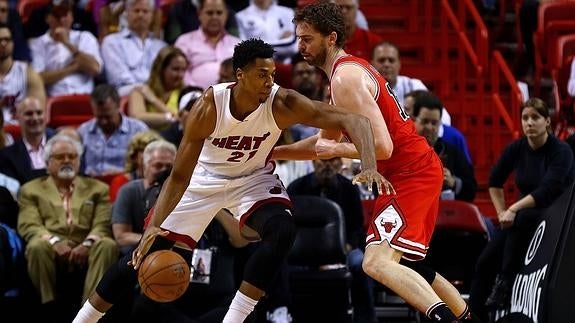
(164, 276)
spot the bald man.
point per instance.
(23, 160)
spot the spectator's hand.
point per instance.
(62, 249)
(507, 218)
(148, 238)
(61, 34)
(325, 148)
(79, 256)
(84, 63)
(371, 176)
(73, 67)
(448, 178)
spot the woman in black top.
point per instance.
(543, 167)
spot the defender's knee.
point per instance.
(280, 231)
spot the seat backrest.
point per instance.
(13, 130)
(69, 110)
(564, 54)
(566, 48)
(460, 215)
(283, 74)
(554, 10)
(320, 238)
(25, 7)
(549, 13)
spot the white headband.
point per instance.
(187, 98)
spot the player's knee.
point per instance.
(280, 231)
(372, 264)
(424, 271)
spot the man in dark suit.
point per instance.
(458, 177)
(23, 160)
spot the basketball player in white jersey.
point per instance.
(17, 79)
(223, 163)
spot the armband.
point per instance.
(53, 240)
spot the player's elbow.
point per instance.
(383, 150)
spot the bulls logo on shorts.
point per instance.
(388, 223)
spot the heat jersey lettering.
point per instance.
(240, 142)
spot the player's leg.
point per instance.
(444, 289)
(274, 224)
(381, 262)
(117, 283)
(238, 238)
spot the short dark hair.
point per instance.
(325, 17)
(539, 105)
(248, 51)
(386, 44)
(427, 100)
(4, 25)
(103, 92)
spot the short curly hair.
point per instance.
(326, 17)
(248, 50)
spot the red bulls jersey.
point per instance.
(408, 147)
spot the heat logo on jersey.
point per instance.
(240, 142)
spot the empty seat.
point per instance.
(319, 278)
(69, 110)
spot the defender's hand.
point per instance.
(325, 148)
(370, 176)
(145, 243)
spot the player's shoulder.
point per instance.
(283, 94)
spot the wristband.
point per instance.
(54, 239)
(88, 243)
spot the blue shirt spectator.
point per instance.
(107, 135)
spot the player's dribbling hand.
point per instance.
(145, 243)
(370, 176)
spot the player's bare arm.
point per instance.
(35, 85)
(354, 90)
(201, 123)
(304, 149)
(291, 107)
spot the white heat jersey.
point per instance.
(239, 148)
(13, 88)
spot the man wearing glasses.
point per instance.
(65, 220)
(17, 79)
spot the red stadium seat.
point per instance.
(283, 74)
(69, 110)
(124, 102)
(460, 215)
(560, 72)
(460, 236)
(554, 19)
(165, 6)
(13, 130)
(25, 7)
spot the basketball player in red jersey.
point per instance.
(403, 219)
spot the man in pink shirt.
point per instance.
(207, 46)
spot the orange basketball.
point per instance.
(164, 276)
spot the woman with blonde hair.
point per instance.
(134, 166)
(156, 101)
